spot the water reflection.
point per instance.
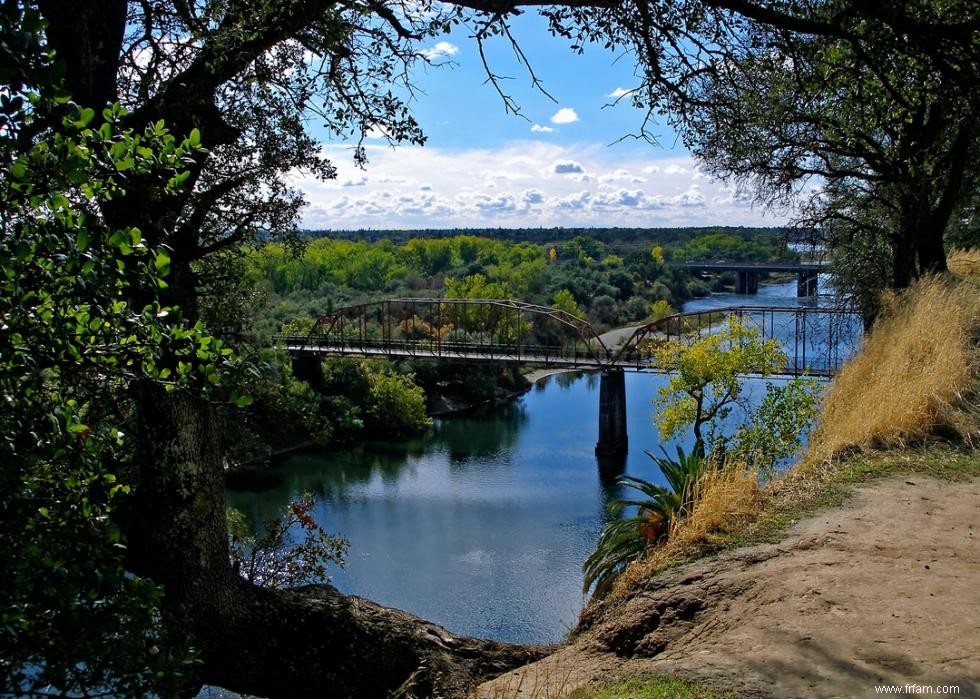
(482, 433)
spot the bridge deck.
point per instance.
(484, 354)
(755, 267)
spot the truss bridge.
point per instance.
(814, 340)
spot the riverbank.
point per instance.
(836, 605)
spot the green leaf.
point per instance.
(85, 117)
(179, 179)
(162, 262)
(243, 401)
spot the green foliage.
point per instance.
(275, 558)
(395, 404)
(283, 411)
(706, 380)
(476, 286)
(660, 309)
(564, 301)
(74, 621)
(728, 247)
(661, 687)
(368, 397)
(626, 539)
(326, 273)
(778, 425)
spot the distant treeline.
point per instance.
(616, 240)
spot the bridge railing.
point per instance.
(526, 352)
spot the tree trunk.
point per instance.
(87, 37)
(313, 641)
(903, 247)
(930, 250)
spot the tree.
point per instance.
(70, 338)
(885, 143)
(564, 301)
(96, 338)
(873, 99)
(625, 540)
(706, 378)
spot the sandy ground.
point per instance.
(883, 591)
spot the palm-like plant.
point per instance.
(681, 474)
(625, 540)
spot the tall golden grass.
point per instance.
(912, 378)
(965, 263)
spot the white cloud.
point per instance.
(565, 115)
(621, 174)
(693, 197)
(443, 49)
(574, 201)
(618, 92)
(501, 204)
(569, 167)
(536, 183)
(537, 128)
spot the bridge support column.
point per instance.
(307, 367)
(613, 439)
(746, 282)
(806, 284)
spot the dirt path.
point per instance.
(884, 591)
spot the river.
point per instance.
(481, 526)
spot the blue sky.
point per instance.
(561, 164)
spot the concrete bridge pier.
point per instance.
(613, 439)
(806, 284)
(746, 282)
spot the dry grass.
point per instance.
(529, 683)
(724, 500)
(965, 263)
(912, 377)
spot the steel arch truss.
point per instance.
(461, 329)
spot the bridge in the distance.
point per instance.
(747, 274)
(815, 341)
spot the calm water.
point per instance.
(483, 525)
